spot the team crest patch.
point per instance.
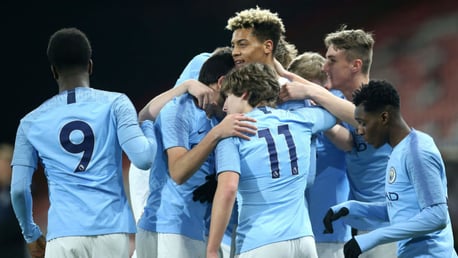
(392, 175)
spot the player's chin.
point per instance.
(374, 144)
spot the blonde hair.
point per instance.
(286, 52)
(265, 24)
(309, 65)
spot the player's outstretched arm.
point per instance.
(202, 92)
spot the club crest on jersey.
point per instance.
(392, 175)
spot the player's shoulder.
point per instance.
(100, 94)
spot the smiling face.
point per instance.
(248, 49)
(372, 126)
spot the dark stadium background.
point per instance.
(140, 48)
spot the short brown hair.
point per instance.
(358, 44)
(257, 79)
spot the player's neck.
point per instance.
(68, 83)
(398, 131)
(353, 84)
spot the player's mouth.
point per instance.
(238, 62)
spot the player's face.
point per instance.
(233, 104)
(338, 69)
(370, 126)
(246, 48)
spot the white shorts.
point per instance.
(138, 189)
(160, 245)
(107, 246)
(387, 250)
(225, 251)
(228, 251)
(330, 250)
(303, 247)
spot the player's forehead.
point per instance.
(332, 51)
(243, 34)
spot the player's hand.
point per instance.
(293, 91)
(352, 249)
(37, 248)
(203, 93)
(236, 125)
(206, 191)
(330, 217)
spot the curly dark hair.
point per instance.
(376, 95)
(69, 48)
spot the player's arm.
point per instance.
(340, 137)
(424, 170)
(24, 163)
(184, 163)
(223, 204)
(202, 92)
(138, 142)
(301, 88)
(356, 214)
(430, 219)
(21, 198)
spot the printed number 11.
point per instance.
(273, 156)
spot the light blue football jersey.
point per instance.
(170, 208)
(192, 69)
(329, 188)
(77, 136)
(274, 167)
(366, 172)
(416, 179)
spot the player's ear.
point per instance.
(385, 117)
(357, 65)
(220, 82)
(245, 95)
(89, 66)
(55, 75)
(268, 47)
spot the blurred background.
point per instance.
(141, 47)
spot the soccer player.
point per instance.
(173, 225)
(348, 62)
(79, 136)
(138, 178)
(258, 36)
(330, 186)
(268, 173)
(415, 182)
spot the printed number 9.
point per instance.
(86, 145)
